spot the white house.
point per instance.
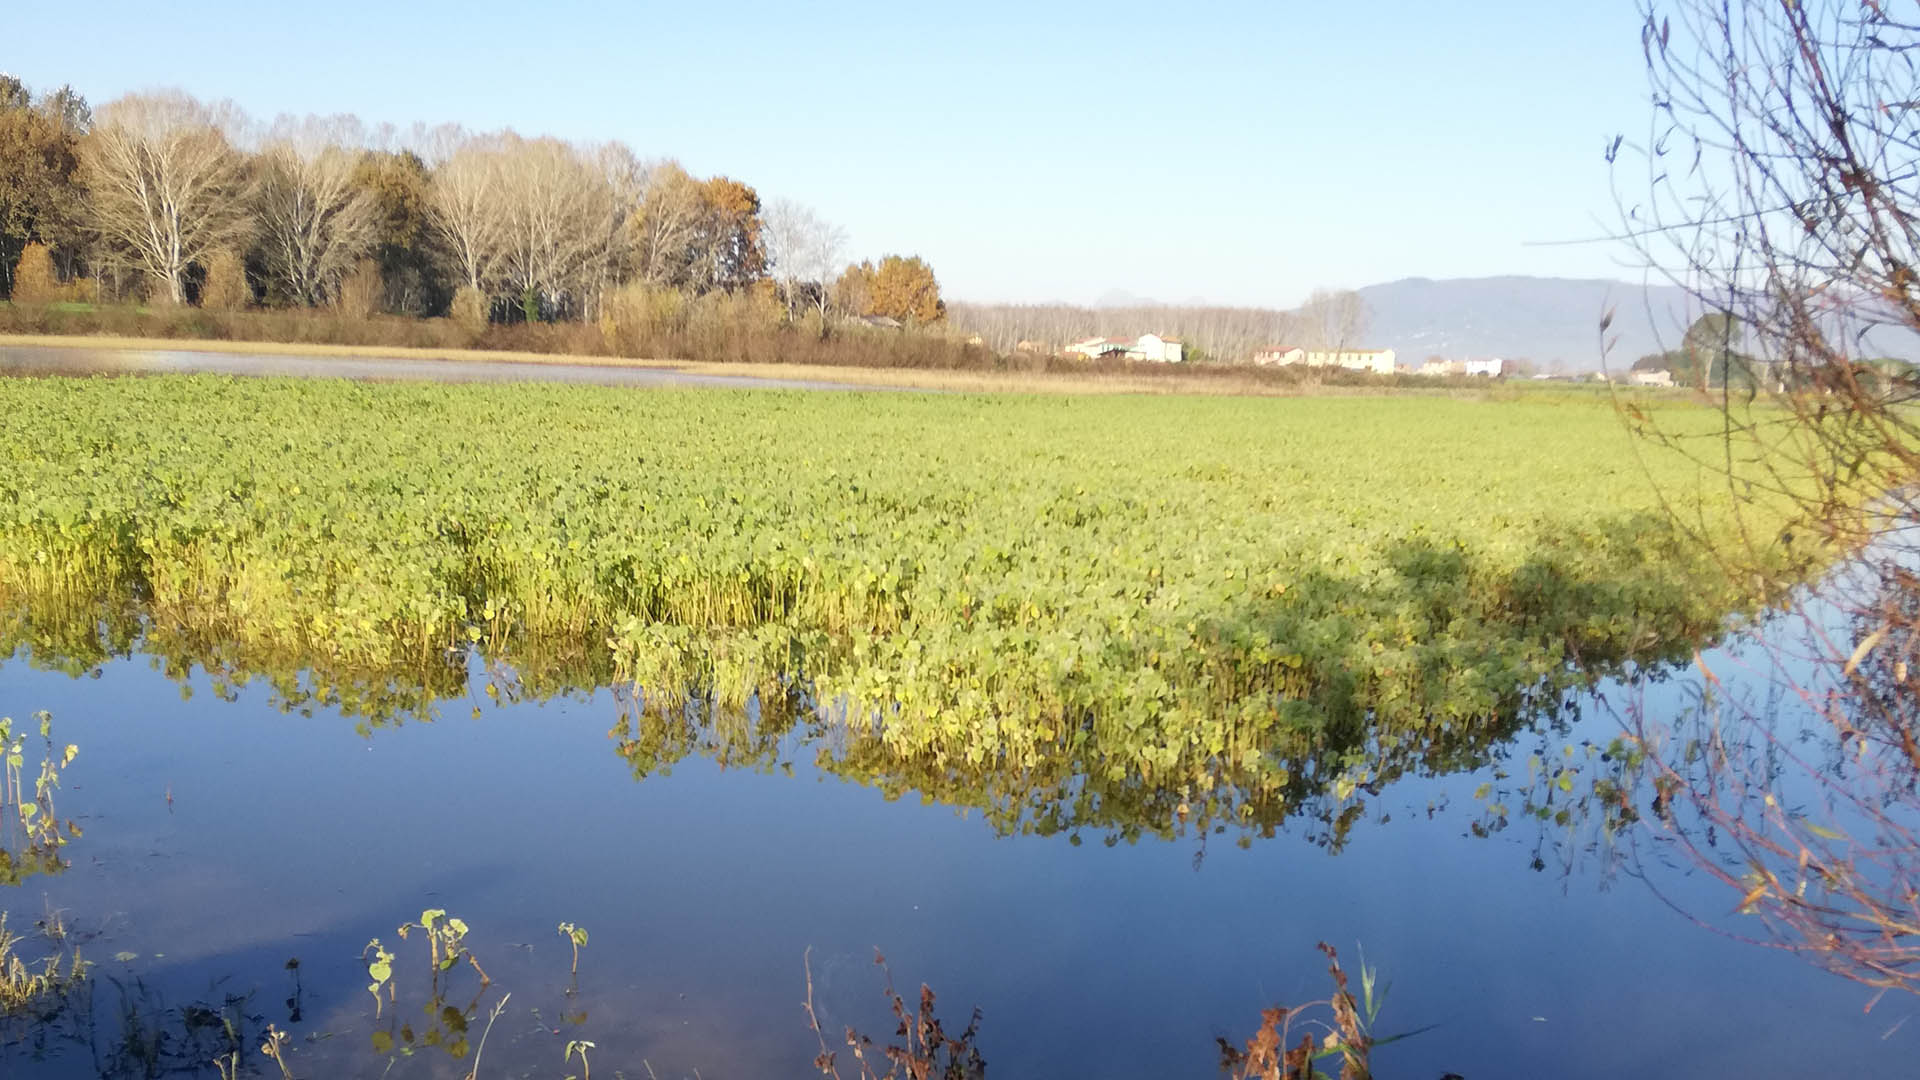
(1148, 347)
(1378, 361)
(1159, 349)
(1651, 378)
(1436, 366)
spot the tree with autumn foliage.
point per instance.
(905, 289)
(898, 288)
(34, 279)
(732, 253)
(40, 196)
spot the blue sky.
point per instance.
(1234, 152)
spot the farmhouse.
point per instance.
(1661, 377)
(1149, 347)
(1378, 361)
(1436, 366)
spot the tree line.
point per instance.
(1328, 319)
(163, 199)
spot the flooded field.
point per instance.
(1095, 715)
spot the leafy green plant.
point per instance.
(576, 936)
(1217, 629)
(35, 813)
(380, 970)
(446, 939)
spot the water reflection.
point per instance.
(124, 1029)
(1317, 779)
(703, 891)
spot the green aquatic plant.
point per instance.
(970, 580)
(31, 832)
(36, 814)
(380, 970)
(448, 1025)
(580, 1047)
(446, 938)
(576, 936)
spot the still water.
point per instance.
(19, 360)
(224, 838)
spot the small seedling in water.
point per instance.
(444, 941)
(576, 936)
(276, 1048)
(580, 1046)
(380, 970)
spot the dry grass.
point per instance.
(989, 382)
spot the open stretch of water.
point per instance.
(63, 360)
(291, 836)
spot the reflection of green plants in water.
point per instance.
(22, 987)
(148, 1038)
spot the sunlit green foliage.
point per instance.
(1147, 593)
(31, 834)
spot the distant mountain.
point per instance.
(1555, 322)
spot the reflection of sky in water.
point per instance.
(292, 836)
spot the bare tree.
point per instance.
(625, 180)
(665, 231)
(1781, 191)
(463, 201)
(552, 207)
(804, 250)
(165, 184)
(1332, 319)
(315, 222)
(1220, 333)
